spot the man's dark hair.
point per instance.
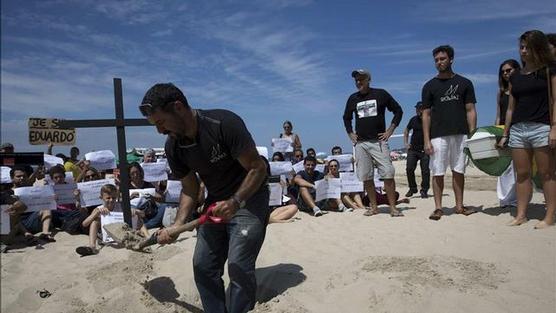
(310, 149)
(445, 48)
(17, 168)
(309, 159)
(57, 169)
(161, 94)
(336, 148)
(279, 154)
(551, 38)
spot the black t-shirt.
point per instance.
(447, 98)
(311, 178)
(221, 138)
(417, 141)
(504, 101)
(530, 92)
(369, 112)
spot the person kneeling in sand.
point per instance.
(109, 195)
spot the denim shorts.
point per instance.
(527, 135)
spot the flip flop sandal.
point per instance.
(466, 211)
(370, 213)
(85, 251)
(396, 214)
(436, 215)
(47, 238)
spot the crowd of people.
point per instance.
(222, 175)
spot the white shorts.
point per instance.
(448, 150)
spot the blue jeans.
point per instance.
(529, 135)
(156, 221)
(239, 241)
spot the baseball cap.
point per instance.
(361, 72)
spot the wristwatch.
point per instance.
(238, 201)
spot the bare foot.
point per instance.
(517, 222)
(542, 224)
(396, 213)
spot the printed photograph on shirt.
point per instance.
(366, 108)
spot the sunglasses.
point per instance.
(148, 109)
(332, 166)
(509, 70)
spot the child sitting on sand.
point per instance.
(109, 195)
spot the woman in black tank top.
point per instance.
(502, 98)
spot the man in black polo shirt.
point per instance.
(448, 117)
(371, 136)
(216, 145)
(416, 152)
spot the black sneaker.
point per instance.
(410, 193)
(424, 194)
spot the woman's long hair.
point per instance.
(502, 83)
(537, 48)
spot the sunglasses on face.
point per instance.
(332, 166)
(509, 70)
(148, 109)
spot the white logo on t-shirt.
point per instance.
(367, 108)
(450, 94)
(216, 154)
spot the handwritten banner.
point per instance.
(4, 220)
(101, 160)
(280, 168)
(282, 145)
(154, 171)
(173, 191)
(64, 193)
(47, 130)
(350, 182)
(5, 175)
(329, 188)
(90, 191)
(275, 194)
(298, 167)
(51, 161)
(37, 198)
(345, 160)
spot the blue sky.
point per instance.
(267, 60)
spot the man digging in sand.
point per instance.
(371, 137)
(217, 145)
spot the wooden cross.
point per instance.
(120, 123)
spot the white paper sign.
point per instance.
(263, 151)
(143, 192)
(350, 182)
(4, 220)
(280, 168)
(275, 194)
(328, 189)
(101, 160)
(173, 191)
(64, 193)
(37, 198)
(114, 217)
(282, 145)
(154, 171)
(51, 161)
(298, 167)
(5, 175)
(345, 160)
(320, 167)
(90, 191)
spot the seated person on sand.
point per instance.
(109, 195)
(150, 217)
(284, 213)
(149, 156)
(381, 198)
(67, 215)
(306, 181)
(27, 223)
(333, 172)
(352, 200)
(336, 150)
(297, 156)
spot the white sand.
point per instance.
(340, 262)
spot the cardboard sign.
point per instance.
(328, 189)
(47, 130)
(37, 198)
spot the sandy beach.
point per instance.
(340, 262)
